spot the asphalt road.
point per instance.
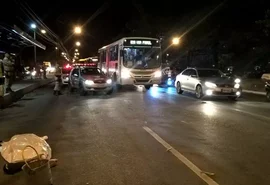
(150, 138)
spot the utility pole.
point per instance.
(35, 49)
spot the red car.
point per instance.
(89, 79)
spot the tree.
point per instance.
(265, 23)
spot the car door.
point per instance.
(74, 78)
(192, 80)
(183, 78)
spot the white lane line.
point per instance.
(255, 92)
(252, 114)
(182, 158)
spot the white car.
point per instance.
(207, 82)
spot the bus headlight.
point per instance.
(157, 74)
(125, 74)
(88, 82)
(109, 81)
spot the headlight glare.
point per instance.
(89, 82)
(210, 85)
(109, 81)
(157, 74)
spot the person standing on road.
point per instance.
(2, 79)
(44, 67)
(58, 74)
(8, 65)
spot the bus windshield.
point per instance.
(141, 58)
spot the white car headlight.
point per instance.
(210, 85)
(33, 73)
(157, 74)
(125, 74)
(89, 82)
(237, 86)
(237, 80)
(109, 81)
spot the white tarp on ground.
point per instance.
(25, 147)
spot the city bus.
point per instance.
(132, 61)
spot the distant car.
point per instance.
(88, 79)
(207, 82)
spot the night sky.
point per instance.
(107, 19)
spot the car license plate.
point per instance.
(226, 90)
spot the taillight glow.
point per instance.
(68, 66)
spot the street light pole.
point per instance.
(34, 26)
(35, 49)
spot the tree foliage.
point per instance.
(265, 23)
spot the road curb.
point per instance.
(18, 94)
(254, 92)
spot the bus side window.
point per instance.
(113, 55)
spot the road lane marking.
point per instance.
(182, 158)
(252, 114)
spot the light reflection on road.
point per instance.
(209, 109)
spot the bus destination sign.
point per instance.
(141, 42)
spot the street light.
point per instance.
(78, 43)
(76, 50)
(175, 40)
(34, 26)
(56, 48)
(77, 30)
(43, 31)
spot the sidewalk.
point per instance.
(20, 89)
(253, 86)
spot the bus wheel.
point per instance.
(147, 87)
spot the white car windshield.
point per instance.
(91, 71)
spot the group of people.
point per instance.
(7, 72)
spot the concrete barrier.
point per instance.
(253, 85)
(18, 94)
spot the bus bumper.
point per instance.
(132, 81)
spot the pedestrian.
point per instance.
(9, 68)
(2, 79)
(58, 74)
(44, 67)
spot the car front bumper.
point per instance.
(223, 92)
(97, 87)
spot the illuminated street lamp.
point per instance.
(78, 43)
(43, 31)
(76, 50)
(34, 26)
(77, 30)
(56, 48)
(175, 40)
